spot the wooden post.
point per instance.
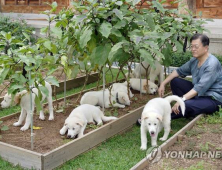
(187, 4)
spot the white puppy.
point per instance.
(121, 87)
(80, 116)
(155, 116)
(23, 98)
(118, 99)
(135, 84)
(152, 72)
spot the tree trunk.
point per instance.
(187, 4)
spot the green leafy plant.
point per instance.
(3, 128)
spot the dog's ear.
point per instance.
(145, 87)
(160, 118)
(146, 117)
(17, 99)
(123, 98)
(80, 123)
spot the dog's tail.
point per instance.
(178, 99)
(108, 118)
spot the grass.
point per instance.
(120, 152)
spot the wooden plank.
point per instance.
(77, 82)
(212, 3)
(199, 3)
(90, 140)
(144, 163)
(215, 13)
(23, 157)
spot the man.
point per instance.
(204, 93)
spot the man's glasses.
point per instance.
(195, 47)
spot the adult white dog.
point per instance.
(80, 116)
(121, 87)
(135, 84)
(23, 98)
(155, 116)
(118, 99)
(153, 73)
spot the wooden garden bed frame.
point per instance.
(58, 156)
(144, 162)
(72, 83)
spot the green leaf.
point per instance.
(44, 90)
(150, 21)
(116, 32)
(57, 32)
(136, 2)
(114, 50)
(3, 74)
(105, 29)
(27, 59)
(26, 36)
(158, 6)
(85, 37)
(47, 44)
(38, 103)
(8, 36)
(119, 3)
(1, 121)
(120, 24)
(54, 4)
(146, 56)
(64, 60)
(100, 54)
(118, 13)
(179, 46)
(91, 44)
(52, 81)
(4, 128)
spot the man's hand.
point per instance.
(161, 90)
(175, 108)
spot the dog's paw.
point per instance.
(16, 124)
(24, 128)
(42, 117)
(143, 148)
(51, 117)
(62, 132)
(163, 139)
(122, 106)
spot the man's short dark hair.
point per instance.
(203, 38)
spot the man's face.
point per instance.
(197, 48)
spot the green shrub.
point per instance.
(16, 27)
(178, 59)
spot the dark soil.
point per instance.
(48, 138)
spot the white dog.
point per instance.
(121, 87)
(155, 116)
(135, 84)
(152, 72)
(80, 116)
(118, 99)
(23, 98)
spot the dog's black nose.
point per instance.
(152, 133)
(68, 136)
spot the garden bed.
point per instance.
(49, 153)
(199, 138)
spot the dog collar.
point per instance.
(117, 98)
